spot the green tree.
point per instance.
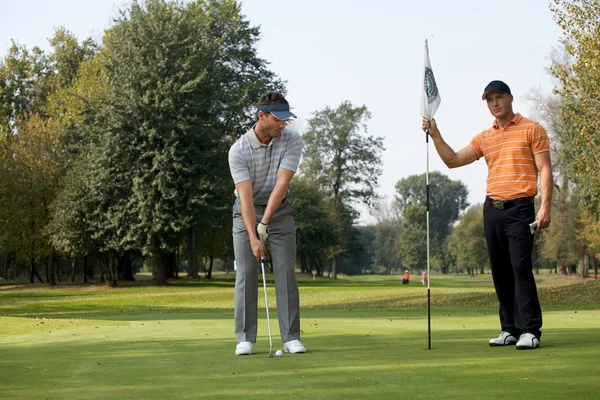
(368, 254)
(67, 56)
(559, 244)
(387, 244)
(31, 169)
(562, 247)
(579, 88)
(343, 159)
(413, 237)
(387, 232)
(69, 230)
(178, 77)
(447, 199)
(23, 86)
(467, 241)
(314, 225)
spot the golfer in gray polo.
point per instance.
(262, 163)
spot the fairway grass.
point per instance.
(365, 339)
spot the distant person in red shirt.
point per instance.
(406, 278)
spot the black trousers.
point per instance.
(510, 244)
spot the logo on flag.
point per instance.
(430, 98)
(430, 86)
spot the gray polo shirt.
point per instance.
(249, 159)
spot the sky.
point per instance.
(368, 53)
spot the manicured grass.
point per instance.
(366, 337)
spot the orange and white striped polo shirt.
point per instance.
(509, 152)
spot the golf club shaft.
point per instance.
(262, 265)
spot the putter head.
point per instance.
(270, 355)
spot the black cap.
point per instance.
(495, 86)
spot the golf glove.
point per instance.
(263, 232)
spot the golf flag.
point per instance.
(430, 98)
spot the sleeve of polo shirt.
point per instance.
(293, 151)
(539, 140)
(475, 144)
(240, 171)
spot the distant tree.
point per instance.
(314, 224)
(387, 234)
(28, 183)
(447, 199)
(367, 256)
(348, 245)
(467, 241)
(413, 237)
(560, 246)
(343, 159)
(23, 86)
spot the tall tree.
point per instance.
(179, 76)
(343, 158)
(580, 88)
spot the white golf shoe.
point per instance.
(505, 339)
(294, 346)
(528, 341)
(243, 348)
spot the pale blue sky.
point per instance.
(371, 53)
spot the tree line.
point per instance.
(114, 154)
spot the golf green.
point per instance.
(177, 342)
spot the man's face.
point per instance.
(271, 125)
(499, 104)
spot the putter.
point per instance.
(262, 265)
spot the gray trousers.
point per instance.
(282, 246)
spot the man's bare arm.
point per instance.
(544, 165)
(244, 190)
(451, 158)
(284, 177)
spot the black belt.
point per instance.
(505, 204)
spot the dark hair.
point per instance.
(271, 98)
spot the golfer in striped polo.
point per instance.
(262, 163)
(516, 150)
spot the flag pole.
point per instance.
(430, 102)
(428, 280)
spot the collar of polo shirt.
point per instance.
(253, 139)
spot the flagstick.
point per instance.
(430, 97)
(428, 287)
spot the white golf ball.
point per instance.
(279, 353)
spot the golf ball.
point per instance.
(279, 353)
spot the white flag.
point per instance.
(430, 98)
